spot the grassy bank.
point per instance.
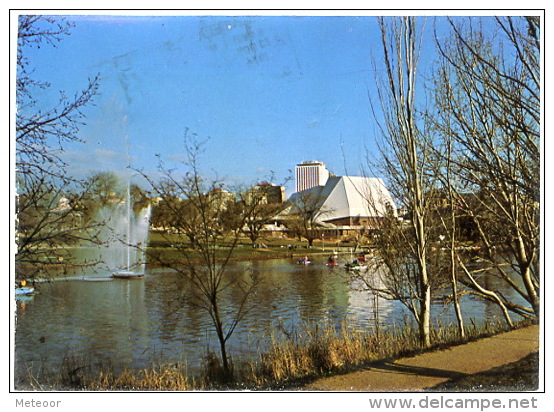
(292, 361)
(165, 248)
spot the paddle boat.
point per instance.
(23, 290)
(358, 264)
(332, 261)
(304, 261)
(355, 266)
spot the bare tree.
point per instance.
(262, 211)
(448, 217)
(404, 150)
(41, 132)
(41, 178)
(206, 266)
(306, 212)
(487, 95)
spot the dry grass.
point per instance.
(318, 352)
(291, 360)
(164, 378)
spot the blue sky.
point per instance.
(268, 91)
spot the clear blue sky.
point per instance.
(269, 91)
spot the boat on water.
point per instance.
(21, 289)
(304, 261)
(127, 274)
(355, 267)
(332, 261)
(24, 290)
(359, 264)
(24, 293)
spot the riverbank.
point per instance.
(159, 253)
(327, 361)
(162, 252)
(471, 366)
(294, 350)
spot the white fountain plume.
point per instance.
(135, 232)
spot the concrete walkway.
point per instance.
(429, 369)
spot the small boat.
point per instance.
(21, 289)
(355, 266)
(24, 290)
(332, 261)
(304, 261)
(127, 274)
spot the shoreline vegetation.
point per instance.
(289, 364)
(161, 249)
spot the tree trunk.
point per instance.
(425, 313)
(454, 280)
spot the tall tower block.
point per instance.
(309, 174)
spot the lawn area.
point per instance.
(166, 247)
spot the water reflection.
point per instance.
(134, 322)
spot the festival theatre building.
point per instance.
(341, 202)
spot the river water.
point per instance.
(133, 323)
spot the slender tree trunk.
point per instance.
(425, 311)
(225, 360)
(454, 280)
(525, 270)
(222, 342)
(397, 97)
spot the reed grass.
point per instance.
(291, 360)
(164, 378)
(320, 351)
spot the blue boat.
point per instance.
(24, 290)
(304, 261)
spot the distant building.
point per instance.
(349, 201)
(265, 193)
(273, 193)
(63, 205)
(220, 198)
(310, 174)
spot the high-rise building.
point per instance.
(309, 174)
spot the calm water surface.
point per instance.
(132, 323)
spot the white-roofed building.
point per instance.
(348, 201)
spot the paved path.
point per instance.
(429, 369)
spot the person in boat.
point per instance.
(332, 260)
(303, 260)
(361, 258)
